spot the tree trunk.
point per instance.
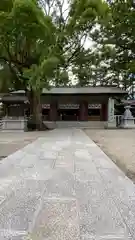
(37, 111)
(31, 102)
(37, 114)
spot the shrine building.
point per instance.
(69, 104)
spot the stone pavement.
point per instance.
(63, 187)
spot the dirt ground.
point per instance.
(119, 145)
(11, 142)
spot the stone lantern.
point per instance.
(128, 119)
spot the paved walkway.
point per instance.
(63, 187)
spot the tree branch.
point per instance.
(50, 6)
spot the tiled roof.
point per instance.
(80, 90)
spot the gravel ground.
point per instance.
(119, 145)
(11, 142)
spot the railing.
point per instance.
(118, 119)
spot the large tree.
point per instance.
(41, 40)
(27, 47)
(75, 21)
(116, 39)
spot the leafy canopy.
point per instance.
(116, 39)
(41, 41)
(26, 37)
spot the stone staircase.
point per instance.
(70, 124)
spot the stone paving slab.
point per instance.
(12, 235)
(63, 187)
(58, 219)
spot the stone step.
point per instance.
(64, 124)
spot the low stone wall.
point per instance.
(14, 124)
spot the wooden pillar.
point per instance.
(83, 114)
(4, 110)
(7, 109)
(53, 115)
(104, 112)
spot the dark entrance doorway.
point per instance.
(45, 114)
(94, 114)
(68, 114)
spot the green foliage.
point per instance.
(5, 79)
(6, 5)
(39, 75)
(117, 38)
(84, 14)
(41, 41)
(44, 43)
(25, 35)
(74, 24)
(61, 78)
